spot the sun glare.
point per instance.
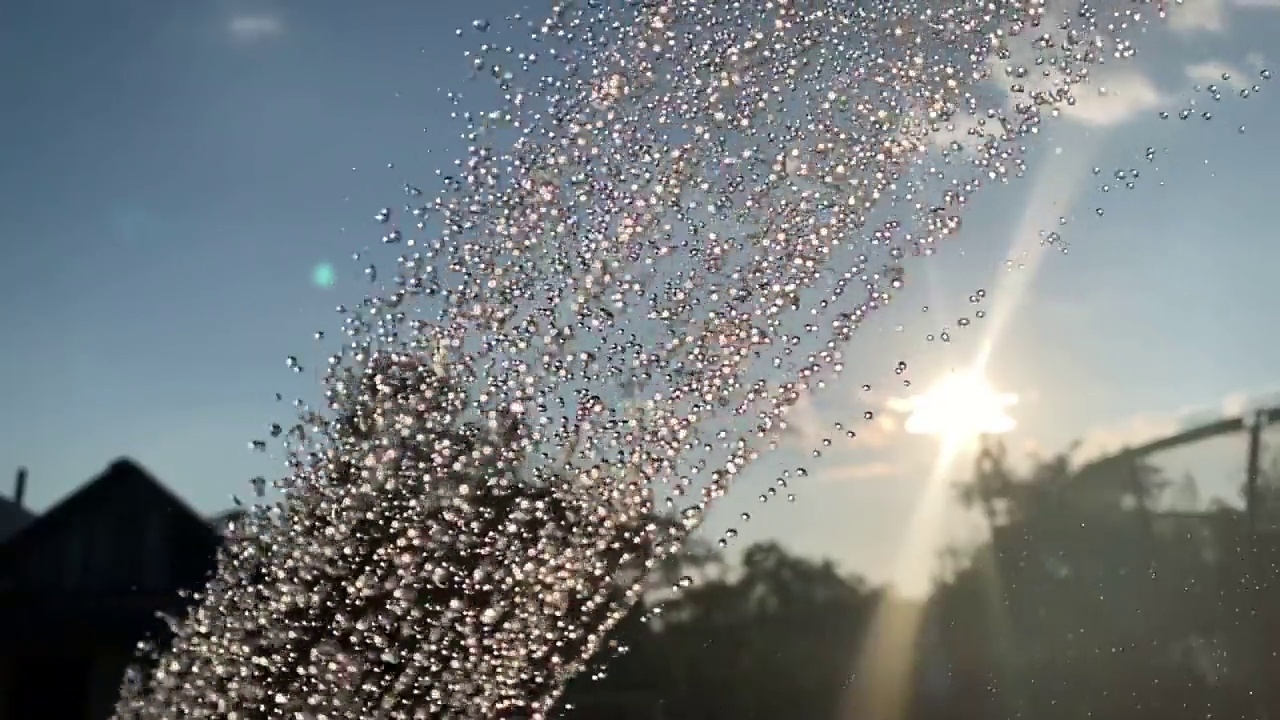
(961, 407)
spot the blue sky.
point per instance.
(172, 174)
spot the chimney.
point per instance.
(20, 486)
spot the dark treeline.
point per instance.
(1103, 591)
(1106, 591)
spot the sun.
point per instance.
(960, 408)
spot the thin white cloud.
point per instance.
(1236, 404)
(854, 472)
(1110, 97)
(802, 431)
(1190, 16)
(1132, 432)
(1217, 72)
(1241, 403)
(1115, 100)
(877, 433)
(1187, 16)
(1034, 449)
(963, 131)
(1147, 427)
(254, 27)
(807, 428)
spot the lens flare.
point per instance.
(960, 407)
(323, 275)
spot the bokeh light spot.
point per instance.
(323, 275)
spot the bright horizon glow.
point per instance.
(959, 408)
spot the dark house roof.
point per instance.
(81, 584)
(13, 517)
(108, 556)
(123, 478)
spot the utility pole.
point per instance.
(1258, 566)
(1252, 496)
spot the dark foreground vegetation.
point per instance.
(1096, 597)
(1106, 592)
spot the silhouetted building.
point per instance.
(82, 584)
(13, 515)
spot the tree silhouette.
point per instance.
(1088, 602)
(778, 638)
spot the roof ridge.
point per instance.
(122, 468)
